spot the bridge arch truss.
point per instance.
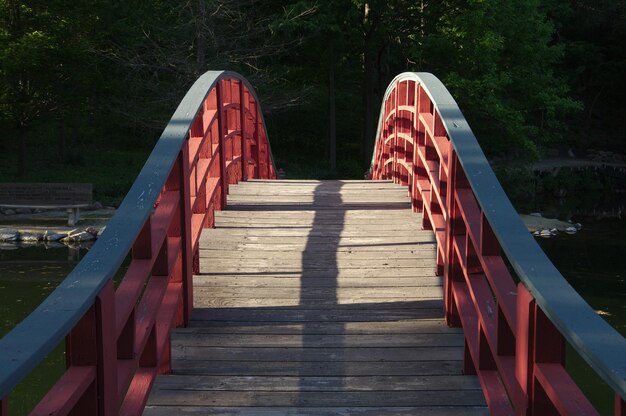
(516, 309)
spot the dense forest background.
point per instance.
(87, 86)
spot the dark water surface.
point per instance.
(593, 261)
(28, 275)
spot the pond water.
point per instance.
(594, 263)
(592, 260)
(28, 274)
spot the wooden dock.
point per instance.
(317, 298)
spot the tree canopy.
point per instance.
(76, 77)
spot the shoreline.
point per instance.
(49, 228)
(27, 230)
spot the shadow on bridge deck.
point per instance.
(317, 298)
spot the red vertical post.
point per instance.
(81, 349)
(262, 168)
(107, 353)
(257, 141)
(4, 406)
(142, 247)
(549, 348)
(186, 233)
(620, 406)
(394, 142)
(242, 108)
(222, 153)
(451, 218)
(414, 189)
(268, 161)
(454, 274)
(92, 342)
(485, 357)
(537, 341)
(126, 340)
(524, 353)
(468, 363)
(231, 126)
(489, 245)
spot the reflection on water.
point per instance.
(28, 275)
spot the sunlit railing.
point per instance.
(118, 338)
(515, 334)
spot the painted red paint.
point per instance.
(506, 335)
(620, 406)
(116, 350)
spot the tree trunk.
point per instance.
(21, 152)
(370, 79)
(201, 40)
(62, 138)
(332, 113)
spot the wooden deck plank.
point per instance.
(317, 298)
(317, 271)
(318, 293)
(319, 368)
(259, 302)
(321, 341)
(294, 280)
(388, 214)
(323, 314)
(315, 353)
(319, 248)
(317, 384)
(316, 411)
(268, 255)
(317, 263)
(403, 326)
(306, 398)
(308, 232)
(304, 241)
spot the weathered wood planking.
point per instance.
(322, 411)
(407, 326)
(317, 298)
(296, 281)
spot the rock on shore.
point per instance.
(78, 235)
(546, 227)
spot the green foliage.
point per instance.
(100, 75)
(496, 58)
(593, 35)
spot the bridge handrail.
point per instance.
(600, 345)
(39, 333)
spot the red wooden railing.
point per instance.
(515, 333)
(120, 336)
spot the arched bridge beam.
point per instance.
(117, 338)
(515, 333)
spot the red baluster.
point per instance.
(620, 406)
(186, 234)
(242, 122)
(222, 153)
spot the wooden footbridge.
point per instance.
(417, 292)
(317, 298)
